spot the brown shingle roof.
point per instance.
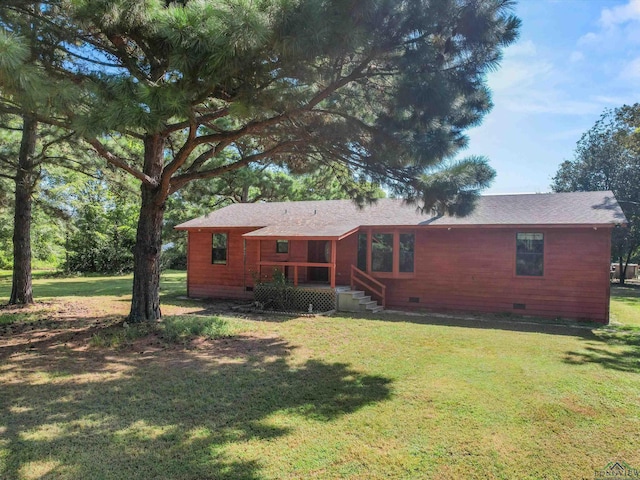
(336, 218)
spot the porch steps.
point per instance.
(357, 301)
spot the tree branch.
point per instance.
(117, 162)
(89, 60)
(181, 180)
(6, 161)
(180, 158)
(256, 125)
(7, 127)
(75, 169)
(201, 120)
(212, 152)
(121, 53)
(48, 145)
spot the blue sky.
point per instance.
(573, 60)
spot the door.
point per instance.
(319, 251)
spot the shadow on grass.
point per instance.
(512, 323)
(611, 346)
(616, 348)
(73, 414)
(628, 294)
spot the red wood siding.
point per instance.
(297, 253)
(474, 270)
(462, 269)
(220, 281)
(347, 254)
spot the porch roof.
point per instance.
(333, 219)
(319, 232)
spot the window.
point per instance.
(219, 249)
(382, 252)
(391, 253)
(362, 252)
(407, 245)
(530, 254)
(282, 246)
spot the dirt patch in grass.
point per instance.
(46, 325)
(74, 325)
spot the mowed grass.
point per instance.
(391, 396)
(625, 305)
(46, 285)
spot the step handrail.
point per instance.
(370, 284)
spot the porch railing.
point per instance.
(368, 283)
(295, 265)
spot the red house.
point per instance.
(539, 254)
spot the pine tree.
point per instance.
(384, 88)
(28, 92)
(20, 84)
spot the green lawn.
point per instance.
(625, 306)
(391, 396)
(46, 286)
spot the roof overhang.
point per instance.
(295, 232)
(525, 225)
(206, 228)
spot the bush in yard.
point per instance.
(182, 328)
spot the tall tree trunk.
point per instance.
(621, 274)
(21, 290)
(145, 302)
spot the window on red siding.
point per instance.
(282, 246)
(407, 245)
(382, 252)
(362, 252)
(219, 249)
(530, 254)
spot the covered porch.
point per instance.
(313, 264)
(303, 259)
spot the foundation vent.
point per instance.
(519, 306)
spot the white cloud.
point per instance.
(617, 24)
(529, 81)
(520, 67)
(620, 14)
(518, 74)
(631, 71)
(588, 39)
(576, 56)
(614, 101)
(570, 134)
(551, 102)
(526, 48)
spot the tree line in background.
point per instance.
(607, 157)
(86, 223)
